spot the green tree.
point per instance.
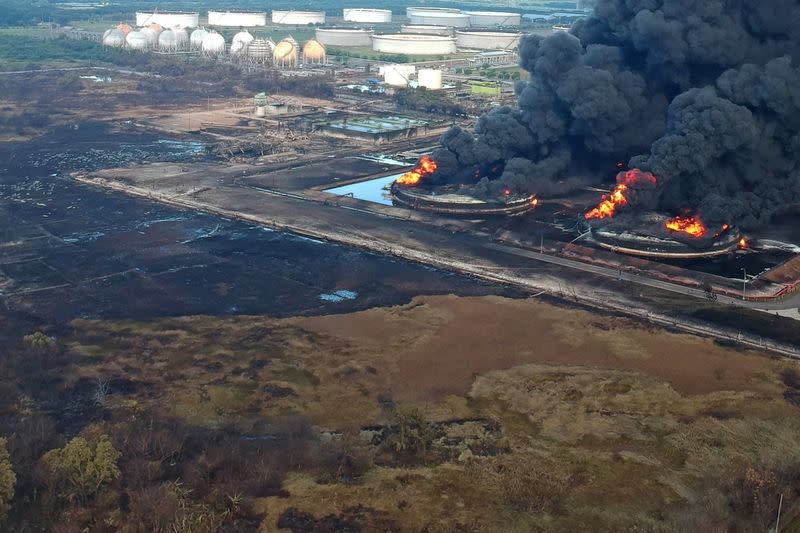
(413, 436)
(80, 469)
(40, 343)
(7, 480)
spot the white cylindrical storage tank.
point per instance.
(114, 38)
(406, 43)
(430, 78)
(213, 44)
(344, 37)
(436, 18)
(397, 75)
(261, 50)
(137, 40)
(168, 19)
(242, 19)
(196, 38)
(412, 10)
(426, 29)
(370, 16)
(285, 54)
(240, 41)
(487, 40)
(298, 18)
(493, 18)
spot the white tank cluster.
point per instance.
(168, 19)
(414, 44)
(426, 29)
(344, 37)
(298, 18)
(487, 40)
(367, 16)
(242, 19)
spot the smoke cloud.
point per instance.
(705, 94)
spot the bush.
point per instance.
(411, 435)
(7, 480)
(78, 471)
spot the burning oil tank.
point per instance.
(314, 52)
(649, 235)
(285, 54)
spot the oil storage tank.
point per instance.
(260, 50)
(410, 44)
(430, 78)
(285, 54)
(426, 29)
(168, 19)
(344, 37)
(173, 40)
(314, 52)
(487, 19)
(412, 10)
(298, 18)
(152, 32)
(136, 40)
(196, 38)
(397, 75)
(487, 40)
(241, 19)
(437, 18)
(366, 15)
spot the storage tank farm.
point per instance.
(344, 37)
(237, 19)
(297, 18)
(168, 19)
(367, 16)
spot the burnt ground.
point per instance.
(74, 251)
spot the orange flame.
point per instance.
(426, 167)
(743, 244)
(617, 198)
(690, 225)
(534, 201)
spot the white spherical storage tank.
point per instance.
(428, 30)
(286, 53)
(168, 19)
(261, 50)
(114, 38)
(174, 39)
(430, 78)
(397, 75)
(240, 41)
(493, 18)
(298, 18)
(196, 38)
(406, 43)
(244, 19)
(137, 40)
(344, 37)
(487, 40)
(436, 18)
(373, 16)
(151, 33)
(213, 44)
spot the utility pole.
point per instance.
(744, 284)
(778, 521)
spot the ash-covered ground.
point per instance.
(74, 251)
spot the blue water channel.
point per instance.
(376, 190)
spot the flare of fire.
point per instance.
(689, 225)
(617, 198)
(743, 244)
(424, 168)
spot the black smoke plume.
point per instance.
(703, 93)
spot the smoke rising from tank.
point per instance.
(705, 94)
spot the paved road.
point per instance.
(790, 303)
